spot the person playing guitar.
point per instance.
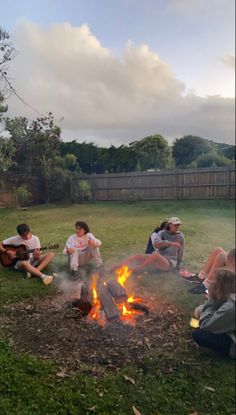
(32, 263)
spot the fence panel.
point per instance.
(218, 183)
(7, 199)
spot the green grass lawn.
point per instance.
(201, 383)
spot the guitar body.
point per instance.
(20, 253)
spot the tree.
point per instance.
(188, 148)
(7, 151)
(138, 167)
(57, 184)
(153, 152)
(7, 53)
(3, 108)
(17, 128)
(87, 155)
(71, 163)
(37, 145)
(23, 195)
(81, 191)
(120, 159)
(227, 150)
(211, 160)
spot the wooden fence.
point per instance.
(7, 199)
(207, 183)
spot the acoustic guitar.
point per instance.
(20, 253)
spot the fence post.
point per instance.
(176, 179)
(228, 184)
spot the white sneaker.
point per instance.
(28, 275)
(47, 280)
(55, 275)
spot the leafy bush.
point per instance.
(24, 196)
(212, 160)
(81, 191)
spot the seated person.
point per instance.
(169, 248)
(82, 247)
(217, 316)
(36, 262)
(218, 258)
(150, 247)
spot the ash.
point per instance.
(46, 328)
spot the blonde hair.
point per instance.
(223, 286)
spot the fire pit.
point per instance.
(107, 300)
(85, 334)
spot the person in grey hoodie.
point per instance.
(168, 252)
(217, 316)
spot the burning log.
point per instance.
(139, 307)
(107, 302)
(117, 291)
(82, 299)
(85, 292)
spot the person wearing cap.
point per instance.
(169, 249)
(169, 243)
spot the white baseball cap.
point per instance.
(174, 220)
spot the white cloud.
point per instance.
(229, 60)
(106, 100)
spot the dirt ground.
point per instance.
(48, 329)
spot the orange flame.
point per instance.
(131, 299)
(126, 313)
(123, 273)
(94, 313)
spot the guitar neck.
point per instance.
(28, 251)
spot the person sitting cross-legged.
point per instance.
(217, 316)
(82, 247)
(36, 262)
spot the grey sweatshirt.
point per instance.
(173, 254)
(221, 320)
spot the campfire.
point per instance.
(107, 300)
(66, 326)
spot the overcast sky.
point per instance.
(120, 70)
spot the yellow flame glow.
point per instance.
(123, 274)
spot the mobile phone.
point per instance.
(194, 323)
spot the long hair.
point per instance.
(223, 286)
(163, 225)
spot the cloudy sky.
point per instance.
(120, 70)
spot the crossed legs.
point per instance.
(44, 260)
